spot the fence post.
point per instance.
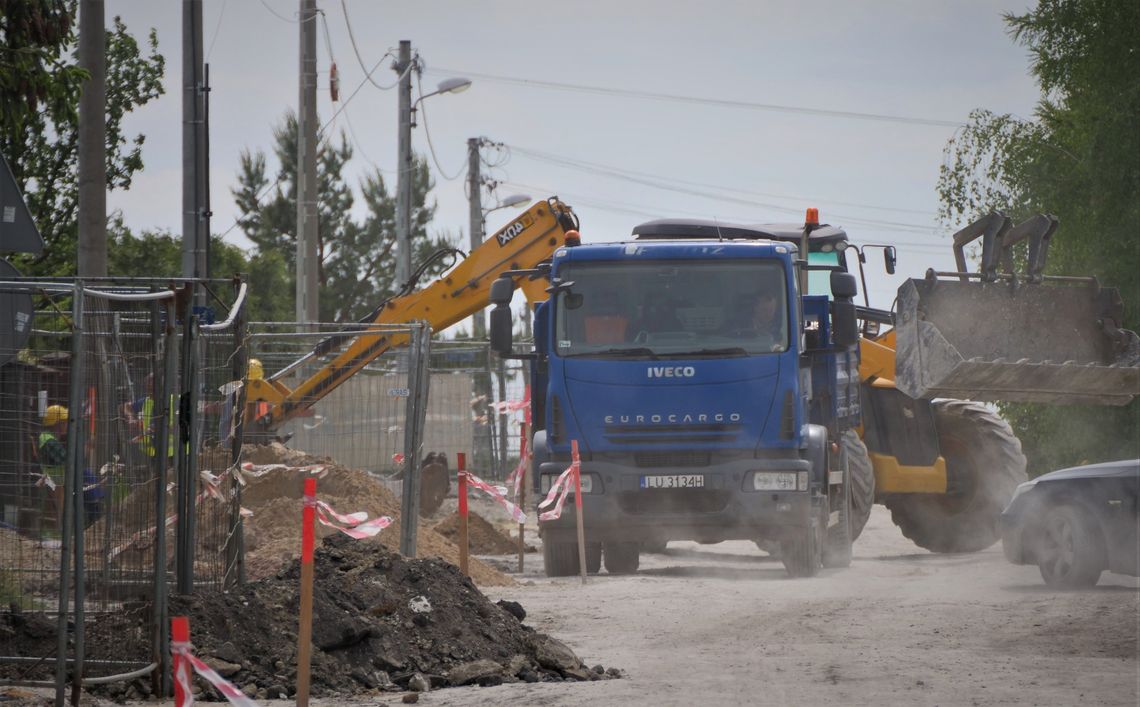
(161, 444)
(235, 545)
(184, 559)
(75, 403)
(415, 414)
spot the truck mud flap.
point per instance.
(1037, 343)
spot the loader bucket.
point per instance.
(1046, 343)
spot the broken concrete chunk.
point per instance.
(221, 667)
(419, 683)
(473, 671)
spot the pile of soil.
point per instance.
(482, 537)
(272, 534)
(381, 622)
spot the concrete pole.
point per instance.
(404, 167)
(192, 178)
(475, 217)
(92, 142)
(307, 252)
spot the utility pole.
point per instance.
(404, 166)
(195, 181)
(307, 263)
(92, 142)
(483, 431)
(475, 214)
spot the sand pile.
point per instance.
(482, 537)
(272, 534)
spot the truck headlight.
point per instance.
(776, 480)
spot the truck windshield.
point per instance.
(672, 309)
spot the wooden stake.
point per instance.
(578, 508)
(305, 622)
(463, 549)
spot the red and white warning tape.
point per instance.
(231, 693)
(562, 483)
(354, 525)
(256, 470)
(499, 493)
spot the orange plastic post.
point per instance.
(305, 621)
(180, 633)
(576, 462)
(463, 549)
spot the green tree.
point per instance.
(356, 259)
(39, 94)
(159, 254)
(1079, 159)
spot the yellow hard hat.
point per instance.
(256, 372)
(54, 415)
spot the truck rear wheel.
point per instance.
(862, 481)
(984, 465)
(621, 558)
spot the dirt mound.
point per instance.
(482, 537)
(272, 534)
(378, 620)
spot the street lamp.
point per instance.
(404, 68)
(512, 200)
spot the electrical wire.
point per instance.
(217, 30)
(283, 18)
(431, 147)
(583, 164)
(720, 102)
(658, 183)
(356, 50)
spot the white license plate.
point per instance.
(774, 481)
(673, 481)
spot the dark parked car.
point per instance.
(1076, 523)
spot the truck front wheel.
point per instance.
(801, 552)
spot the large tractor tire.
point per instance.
(862, 481)
(984, 465)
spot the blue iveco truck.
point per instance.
(708, 375)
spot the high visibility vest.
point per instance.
(148, 430)
(55, 471)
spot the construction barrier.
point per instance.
(185, 663)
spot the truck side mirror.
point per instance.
(843, 285)
(844, 323)
(502, 329)
(890, 259)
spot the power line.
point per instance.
(583, 164)
(721, 102)
(217, 30)
(283, 18)
(657, 183)
(427, 132)
(356, 50)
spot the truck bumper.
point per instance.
(618, 509)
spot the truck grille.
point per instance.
(672, 434)
(657, 460)
(673, 501)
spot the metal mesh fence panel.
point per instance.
(104, 381)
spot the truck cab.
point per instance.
(682, 365)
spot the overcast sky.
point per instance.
(931, 61)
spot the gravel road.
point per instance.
(721, 624)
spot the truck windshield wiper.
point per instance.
(639, 352)
(730, 351)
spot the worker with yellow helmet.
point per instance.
(51, 450)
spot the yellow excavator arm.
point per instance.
(462, 291)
